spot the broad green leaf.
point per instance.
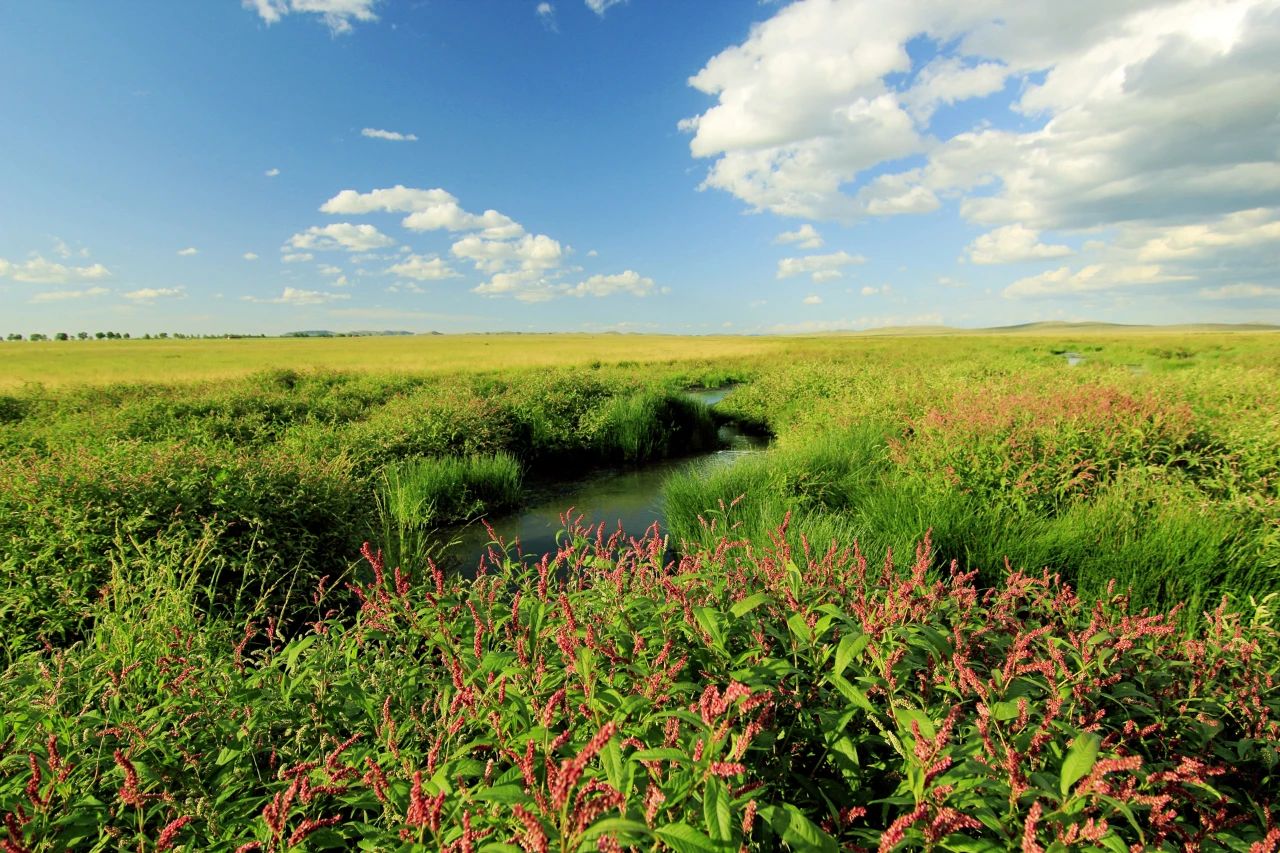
(507, 794)
(851, 645)
(716, 811)
(853, 694)
(710, 622)
(611, 758)
(1080, 759)
(796, 830)
(746, 605)
(296, 648)
(685, 839)
(796, 622)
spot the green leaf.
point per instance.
(796, 830)
(296, 648)
(611, 758)
(710, 622)
(796, 622)
(851, 645)
(853, 694)
(1080, 759)
(716, 811)
(748, 605)
(685, 839)
(506, 794)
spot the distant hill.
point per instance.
(325, 333)
(1055, 327)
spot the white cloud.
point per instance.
(1148, 127)
(65, 295)
(628, 281)
(296, 296)
(427, 209)
(336, 14)
(389, 135)
(1089, 279)
(37, 270)
(423, 268)
(250, 256)
(813, 300)
(602, 6)
(1012, 244)
(189, 251)
(819, 267)
(297, 257)
(271, 173)
(341, 235)
(1243, 229)
(531, 252)
(1241, 291)
(593, 254)
(806, 237)
(150, 294)
(868, 290)
(532, 285)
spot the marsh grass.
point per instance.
(443, 490)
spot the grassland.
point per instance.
(1083, 655)
(55, 364)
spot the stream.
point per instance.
(631, 497)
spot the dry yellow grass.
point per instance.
(61, 363)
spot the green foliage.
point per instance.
(744, 696)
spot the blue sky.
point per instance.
(643, 165)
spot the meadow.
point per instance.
(983, 592)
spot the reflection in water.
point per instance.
(630, 497)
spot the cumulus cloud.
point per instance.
(297, 296)
(336, 14)
(389, 135)
(297, 257)
(628, 281)
(1012, 244)
(423, 268)
(341, 235)
(189, 251)
(37, 270)
(868, 290)
(250, 256)
(813, 299)
(1149, 119)
(805, 237)
(819, 267)
(427, 209)
(65, 295)
(271, 173)
(1241, 230)
(531, 252)
(151, 294)
(531, 285)
(1088, 279)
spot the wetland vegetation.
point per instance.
(200, 648)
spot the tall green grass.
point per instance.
(1153, 534)
(441, 490)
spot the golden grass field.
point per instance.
(54, 364)
(59, 363)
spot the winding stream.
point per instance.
(631, 497)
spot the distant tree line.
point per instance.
(117, 336)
